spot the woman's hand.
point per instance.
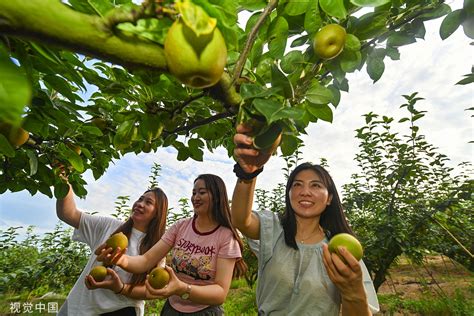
(347, 277)
(113, 283)
(109, 257)
(174, 287)
(249, 158)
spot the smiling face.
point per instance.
(201, 198)
(308, 194)
(143, 210)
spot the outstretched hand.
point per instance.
(110, 257)
(347, 277)
(174, 287)
(114, 283)
(248, 157)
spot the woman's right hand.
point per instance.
(249, 158)
(110, 257)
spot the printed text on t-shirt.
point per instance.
(192, 248)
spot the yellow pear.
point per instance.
(350, 242)
(99, 273)
(117, 240)
(329, 41)
(196, 61)
(159, 278)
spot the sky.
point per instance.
(430, 67)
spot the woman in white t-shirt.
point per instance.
(206, 254)
(296, 273)
(144, 228)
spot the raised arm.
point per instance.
(66, 210)
(250, 160)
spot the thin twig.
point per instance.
(251, 39)
(188, 128)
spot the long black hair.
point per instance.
(156, 229)
(221, 214)
(332, 220)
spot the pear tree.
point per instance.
(118, 76)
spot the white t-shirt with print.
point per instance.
(94, 231)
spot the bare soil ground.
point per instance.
(438, 275)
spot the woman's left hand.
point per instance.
(347, 277)
(174, 287)
(114, 283)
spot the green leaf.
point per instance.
(250, 90)
(296, 7)
(196, 18)
(321, 111)
(369, 25)
(369, 3)
(318, 94)
(469, 79)
(61, 190)
(450, 23)
(74, 159)
(350, 60)
(289, 144)
(334, 8)
(33, 160)
(279, 80)
(267, 136)
(152, 29)
(92, 130)
(292, 61)
(399, 39)
(312, 18)
(15, 90)
(252, 5)
(125, 133)
(294, 113)
(468, 26)
(5, 147)
(267, 107)
(277, 35)
(375, 68)
(352, 43)
(435, 13)
(60, 85)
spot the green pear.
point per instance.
(117, 240)
(329, 41)
(99, 273)
(350, 242)
(159, 278)
(196, 61)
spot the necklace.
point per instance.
(302, 240)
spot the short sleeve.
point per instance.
(93, 229)
(229, 248)
(270, 229)
(370, 290)
(169, 237)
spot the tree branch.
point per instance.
(272, 4)
(52, 22)
(188, 128)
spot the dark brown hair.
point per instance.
(156, 229)
(332, 220)
(221, 214)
